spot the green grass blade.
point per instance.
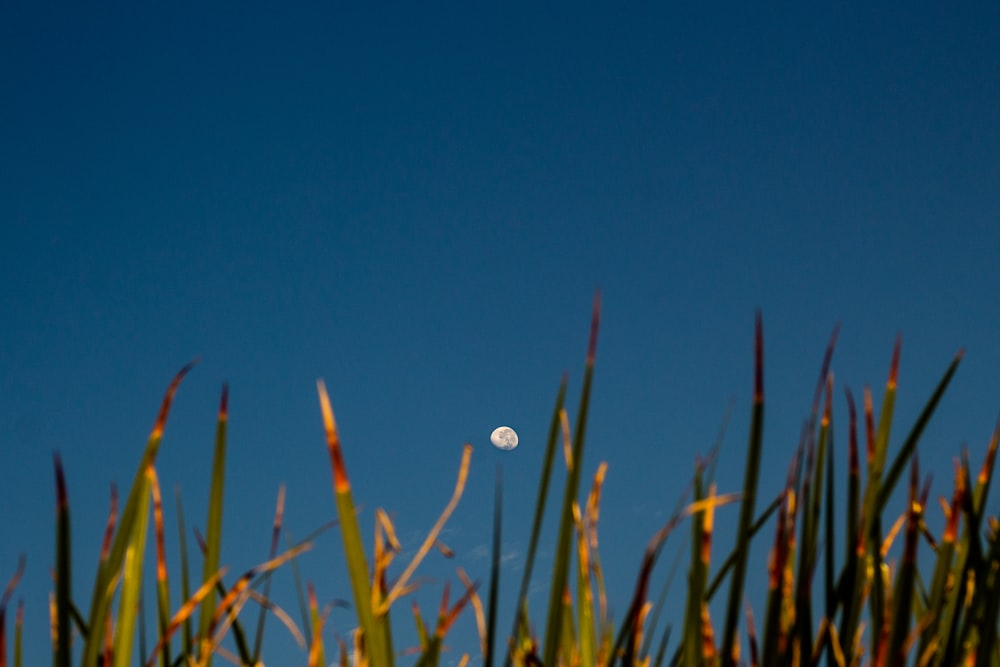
(536, 526)
(747, 504)
(377, 639)
(902, 458)
(213, 526)
(316, 653)
(110, 568)
(63, 630)
(131, 581)
(19, 635)
(188, 635)
(5, 599)
(560, 569)
(162, 582)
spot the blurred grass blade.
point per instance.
(317, 657)
(375, 633)
(131, 581)
(899, 463)
(5, 600)
(187, 636)
(62, 629)
(110, 568)
(748, 502)
(536, 526)
(162, 583)
(279, 513)
(213, 526)
(491, 617)
(560, 568)
(19, 634)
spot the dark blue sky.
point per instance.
(417, 203)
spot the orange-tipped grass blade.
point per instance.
(317, 656)
(184, 613)
(373, 628)
(162, 583)
(401, 585)
(109, 569)
(477, 608)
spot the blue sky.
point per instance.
(417, 203)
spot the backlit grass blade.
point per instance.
(162, 583)
(872, 506)
(560, 569)
(748, 502)
(587, 643)
(781, 554)
(62, 629)
(213, 526)
(316, 654)
(902, 457)
(376, 639)
(536, 526)
(131, 580)
(187, 635)
(111, 566)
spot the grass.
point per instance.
(870, 589)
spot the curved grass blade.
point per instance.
(110, 568)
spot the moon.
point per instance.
(504, 438)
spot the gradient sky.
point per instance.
(417, 203)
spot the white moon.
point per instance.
(504, 438)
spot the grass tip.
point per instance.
(595, 320)
(758, 347)
(62, 500)
(224, 401)
(894, 368)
